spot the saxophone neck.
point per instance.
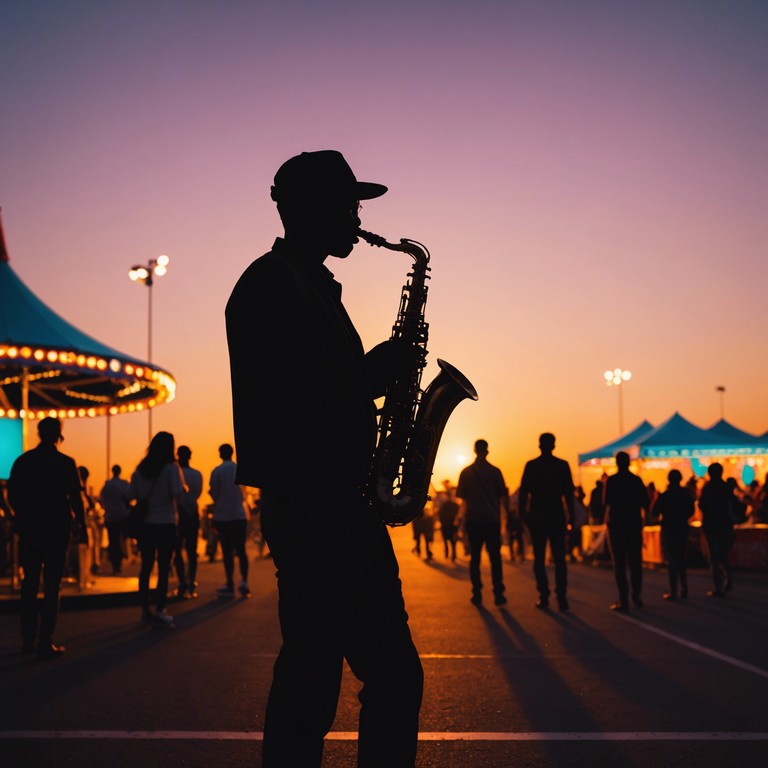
(418, 251)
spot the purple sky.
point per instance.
(591, 179)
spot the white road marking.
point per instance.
(696, 647)
(426, 736)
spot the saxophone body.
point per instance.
(411, 421)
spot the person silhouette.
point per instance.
(626, 499)
(546, 499)
(483, 491)
(673, 508)
(115, 495)
(304, 417)
(188, 528)
(715, 504)
(45, 494)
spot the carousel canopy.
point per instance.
(61, 371)
(679, 438)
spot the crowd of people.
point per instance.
(547, 513)
(61, 525)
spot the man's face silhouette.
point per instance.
(337, 222)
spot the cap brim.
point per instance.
(367, 190)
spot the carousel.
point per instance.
(48, 367)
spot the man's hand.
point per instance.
(390, 360)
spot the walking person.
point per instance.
(188, 527)
(626, 501)
(115, 495)
(157, 480)
(304, 416)
(674, 507)
(546, 500)
(230, 521)
(447, 513)
(717, 524)
(483, 492)
(45, 494)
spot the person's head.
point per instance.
(674, 478)
(117, 470)
(622, 461)
(184, 454)
(546, 442)
(84, 474)
(49, 430)
(161, 451)
(481, 448)
(226, 451)
(715, 471)
(318, 199)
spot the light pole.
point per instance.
(721, 391)
(616, 378)
(140, 274)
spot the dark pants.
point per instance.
(340, 597)
(186, 541)
(674, 544)
(155, 541)
(115, 545)
(554, 531)
(232, 536)
(719, 544)
(488, 534)
(627, 549)
(47, 554)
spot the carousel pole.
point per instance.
(24, 407)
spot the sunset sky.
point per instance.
(591, 179)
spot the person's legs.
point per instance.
(227, 538)
(380, 652)
(31, 561)
(239, 530)
(539, 542)
(618, 543)
(53, 568)
(148, 549)
(557, 539)
(192, 529)
(493, 545)
(475, 534)
(166, 544)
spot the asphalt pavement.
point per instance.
(681, 683)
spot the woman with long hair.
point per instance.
(157, 479)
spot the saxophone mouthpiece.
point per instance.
(371, 239)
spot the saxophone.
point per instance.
(411, 421)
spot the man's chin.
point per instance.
(342, 251)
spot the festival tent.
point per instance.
(624, 443)
(48, 367)
(679, 438)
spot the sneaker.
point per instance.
(164, 619)
(620, 606)
(500, 600)
(562, 604)
(243, 589)
(542, 603)
(476, 599)
(225, 591)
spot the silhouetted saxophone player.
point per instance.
(305, 429)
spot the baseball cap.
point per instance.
(322, 173)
